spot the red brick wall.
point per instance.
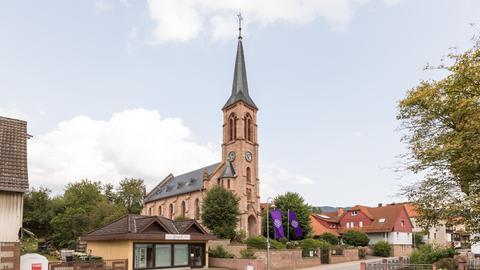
(237, 264)
(10, 256)
(348, 256)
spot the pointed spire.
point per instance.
(240, 85)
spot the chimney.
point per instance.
(340, 211)
(380, 204)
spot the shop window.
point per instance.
(163, 255)
(180, 256)
(144, 256)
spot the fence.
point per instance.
(90, 265)
(400, 263)
(473, 264)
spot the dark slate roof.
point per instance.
(181, 184)
(228, 171)
(13, 155)
(240, 85)
(136, 224)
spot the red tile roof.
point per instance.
(13, 155)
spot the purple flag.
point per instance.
(295, 225)
(276, 215)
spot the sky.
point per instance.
(122, 88)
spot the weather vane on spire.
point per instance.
(240, 19)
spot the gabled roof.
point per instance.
(318, 228)
(240, 85)
(383, 218)
(364, 209)
(13, 155)
(147, 227)
(228, 171)
(181, 184)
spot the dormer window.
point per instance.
(382, 220)
(354, 212)
(402, 223)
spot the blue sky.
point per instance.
(115, 89)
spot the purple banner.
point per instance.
(276, 215)
(295, 225)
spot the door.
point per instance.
(197, 255)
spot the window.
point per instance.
(184, 208)
(249, 194)
(382, 220)
(197, 209)
(180, 256)
(402, 223)
(163, 255)
(144, 256)
(170, 211)
(249, 175)
(150, 211)
(160, 210)
(232, 127)
(354, 212)
(248, 128)
(228, 184)
(360, 224)
(348, 224)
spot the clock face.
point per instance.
(231, 156)
(248, 156)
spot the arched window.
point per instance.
(232, 127)
(248, 128)
(160, 211)
(228, 184)
(183, 208)
(170, 211)
(197, 209)
(150, 211)
(249, 175)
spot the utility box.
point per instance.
(33, 261)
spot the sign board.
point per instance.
(177, 236)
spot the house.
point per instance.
(13, 185)
(151, 242)
(390, 223)
(237, 170)
(444, 233)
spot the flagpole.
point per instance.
(268, 228)
(288, 226)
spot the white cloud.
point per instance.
(184, 20)
(275, 180)
(133, 143)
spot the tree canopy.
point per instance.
(294, 202)
(220, 212)
(442, 123)
(84, 206)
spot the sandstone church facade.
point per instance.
(182, 195)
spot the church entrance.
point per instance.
(252, 226)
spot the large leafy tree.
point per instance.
(220, 212)
(130, 194)
(38, 210)
(294, 202)
(442, 123)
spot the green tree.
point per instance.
(382, 249)
(329, 238)
(441, 119)
(130, 194)
(355, 238)
(220, 212)
(294, 202)
(38, 211)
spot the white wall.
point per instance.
(394, 238)
(475, 247)
(11, 211)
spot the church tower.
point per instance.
(240, 148)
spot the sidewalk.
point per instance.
(355, 265)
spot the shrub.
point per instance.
(283, 240)
(428, 254)
(447, 263)
(355, 238)
(382, 248)
(308, 245)
(274, 244)
(239, 236)
(247, 254)
(292, 245)
(258, 242)
(329, 237)
(219, 252)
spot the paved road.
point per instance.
(342, 266)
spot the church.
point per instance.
(182, 195)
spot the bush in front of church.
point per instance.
(220, 212)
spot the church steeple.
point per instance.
(240, 85)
